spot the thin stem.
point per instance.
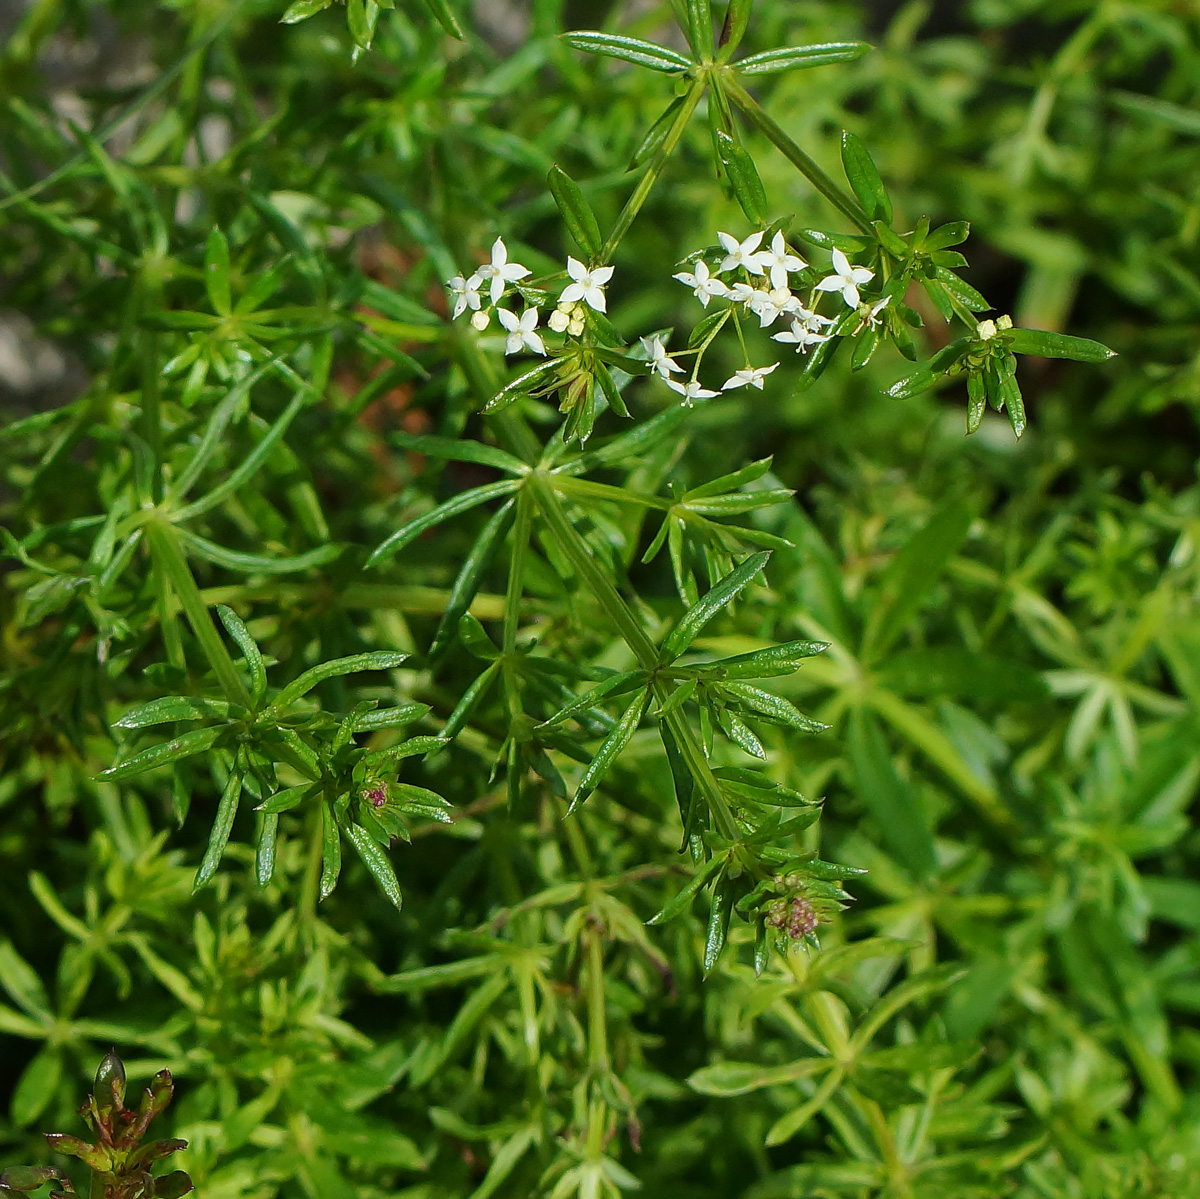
(164, 547)
(597, 1025)
(797, 157)
(640, 193)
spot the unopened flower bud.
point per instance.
(479, 320)
(985, 330)
(1004, 322)
(559, 320)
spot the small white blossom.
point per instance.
(752, 376)
(871, 316)
(741, 253)
(778, 261)
(658, 357)
(801, 335)
(588, 285)
(691, 391)
(767, 305)
(742, 293)
(559, 319)
(846, 278)
(479, 320)
(521, 333)
(500, 271)
(704, 285)
(466, 294)
(814, 322)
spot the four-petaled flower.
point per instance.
(802, 336)
(702, 283)
(691, 391)
(466, 294)
(814, 322)
(658, 357)
(500, 271)
(846, 278)
(588, 285)
(521, 333)
(778, 261)
(767, 305)
(741, 253)
(871, 316)
(750, 375)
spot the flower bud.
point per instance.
(479, 320)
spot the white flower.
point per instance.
(741, 253)
(588, 285)
(702, 283)
(559, 319)
(479, 320)
(658, 358)
(871, 316)
(750, 375)
(814, 322)
(691, 391)
(801, 335)
(500, 271)
(466, 294)
(767, 305)
(521, 333)
(742, 293)
(778, 261)
(846, 278)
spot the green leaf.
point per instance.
(962, 291)
(720, 596)
(376, 861)
(699, 28)
(444, 15)
(195, 742)
(22, 983)
(610, 748)
(913, 571)
(737, 17)
(976, 400)
(463, 502)
(36, 1087)
(331, 851)
(286, 800)
(222, 827)
(888, 797)
(865, 180)
(951, 234)
(656, 134)
(521, 385)
(630, 49)
(682, 900)
(576, 213)
(216, 272)
(614, 685)
(1057, 345)
(264, 857)
(773, 708)
(300, 10)
(249, 647)
(727, 1079)
(794, 58)
(381, 659)
(172, 707)
(390, 718)
(210, 551)
(785, 658)
(458, 450)
(470, 577)
(718, 922)
(743, 178)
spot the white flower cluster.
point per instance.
(586, 287)
(774, 298)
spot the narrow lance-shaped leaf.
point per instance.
(682, 901)
(195, 742)
(458, 450)
(610, 748)
(630, 49)
(380, 659)
(718, 922)
(774, 708)
(1058, 345)
(376, 861)
(743, 178)
(793, 58)
(617, 684)
(216, 272)
(331, 850)
(254, 660)
(576, 212)
(785, 658)
(444, 15)
(222, 826)
(864, 178)
(710, 604)
(463, 502)
(172, 707)
(470, 576)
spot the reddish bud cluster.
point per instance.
(795, 916)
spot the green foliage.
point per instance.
(693, 741)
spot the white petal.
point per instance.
(831, 283)
(509, 320)
(460, 306)
(497, 288)
(572, 293)
(679, 387)
(535, 343)
(734, 381)
(777, 244)
(841, 263)
(514, 344)
(730, 243)
(595, 299)
(860, 274)
(751, 243)
(602, 274)
(576, 269)
(684, 277)
(499, 252)
(850, 295)
(513, 271)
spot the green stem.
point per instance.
(640, 193)
(630, 628)
(797, 157)
(597, 1025)
(170, 559)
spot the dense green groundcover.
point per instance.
(357, 718)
